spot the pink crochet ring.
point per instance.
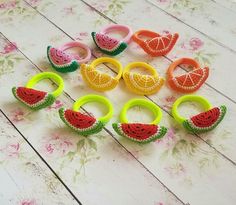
(65, 62)
(109, 45)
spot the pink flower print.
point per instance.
(194, 44)
(81, 36)
(165, 32)
(58, 104)
(8, 5)
(18, 115)
(168, 140)
(28, 202)
(12, 150)
(34, 2)
(68, 10)
(64, 146)
(10, 47)
(176, 169)
(49, 148)
(170, 100)
(158, 203)
(162, 1)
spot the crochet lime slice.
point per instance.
(142, 133)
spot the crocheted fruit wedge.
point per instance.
(61, 61)
(97, 80)
(191, 81)
(143, 84)
(108, 45)
(142, 133)
(205, 121)
(34, 99)
(83, 124)
(160, 45)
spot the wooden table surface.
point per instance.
(43, 162)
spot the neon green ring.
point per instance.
(95, 98)
(203, 101)
(47, 75)
(141, 102)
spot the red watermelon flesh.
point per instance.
(59, 57)
(106, 42)
(30, 96)
(79, 120)
(206, 119)
(139, 131)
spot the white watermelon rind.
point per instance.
(190, 126)
(158, 135)
(95, 128)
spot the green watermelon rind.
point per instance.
(117, 50)
(95, 128)
(47, 101)
(188, 124)
(65, 68)
(160, 133)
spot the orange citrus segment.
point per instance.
(160, 45)
(190, 81)
(143, 84)
(97, 80)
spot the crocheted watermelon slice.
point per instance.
(61, 61)
(191, 81)
(83, 124)
(205, 121)
(34, 99)
(108, 45)
(161, 45)
(142, 133)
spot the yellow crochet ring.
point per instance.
(101, 81)
(142, 84)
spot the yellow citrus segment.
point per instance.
(97, 80)
(143, 84)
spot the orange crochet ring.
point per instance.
(156, 44)
(190, 81)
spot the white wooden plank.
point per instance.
(99, 171)
(193, 183)
(209, 18)
(22, 172)
(229, 4)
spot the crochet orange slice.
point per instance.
(160, 45)
(143, 84)
(189, 82)
(97, 80)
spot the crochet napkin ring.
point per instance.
(101, 81)
(190, 81)
(142, 84)
(63, 61)
(156, 44)
(140, 132)
(85, 124)
(110, 45)
(202, 122)
(36, 99)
